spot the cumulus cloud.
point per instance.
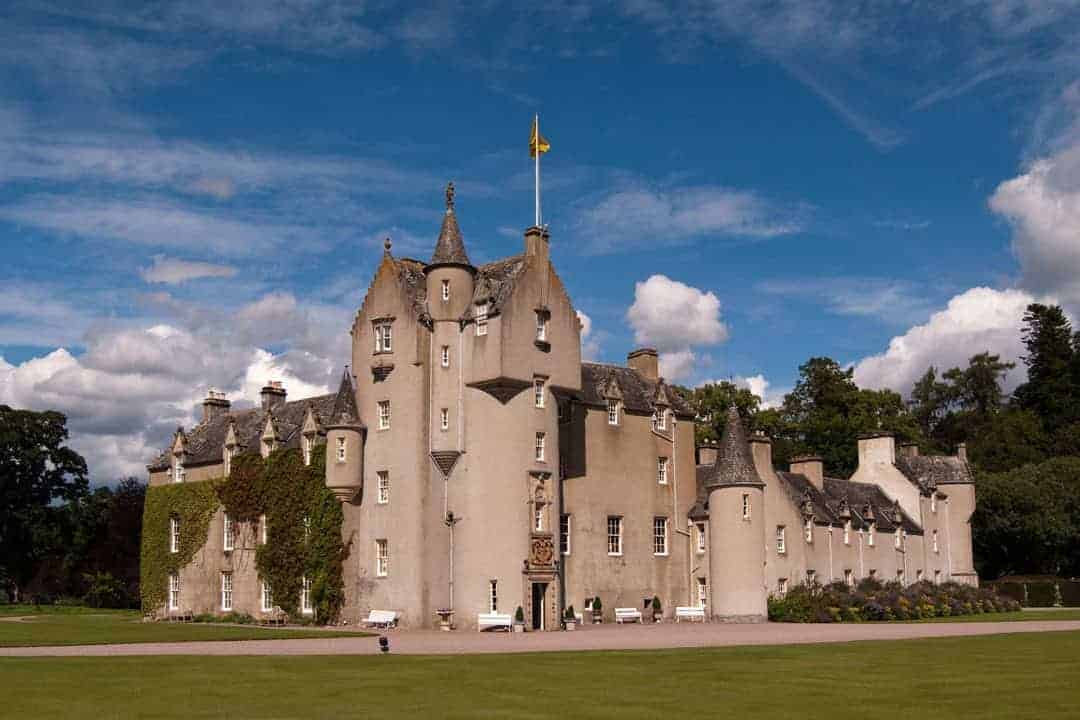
(590, 344)
(674, 317)
(980, 319)
(173, 271)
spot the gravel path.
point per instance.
(606, 637)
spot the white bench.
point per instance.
(690, 613)
(623, 615)
(485, 621)
(381, 618)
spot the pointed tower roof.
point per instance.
(450, 247)
(344, 412)
(734, 460)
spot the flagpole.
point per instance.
(536, 120)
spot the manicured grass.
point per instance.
(1002, 676)
(86, 626)
(1024, 616)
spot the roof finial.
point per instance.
(387, 244)
(450, 196)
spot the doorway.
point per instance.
(539, 592)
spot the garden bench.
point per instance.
(485, 621)
(690, 613)
(385, 619)
(276, 616)
(181, 615)
(623, 615)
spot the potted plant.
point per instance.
(569, 618)
(657, 610)
(519, 620)
(597, 611)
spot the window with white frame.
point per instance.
(174, 591)
(226, 465)
(308, 442)
(228, 533)
(226, 591)
(383, 490)
(702, 592)
(263, 530)
(614, 535)
(538, 516)
(444, 419)
(541, 326)
(781, 586)
(383, 337)
(481, 319)
(746, 506)
(305, 596)
(660, 541)
(342, 450)
(564, 534)
(444, 356)
(811, 577)
(178, 469)
(781, 539)
(538, 392)
(660, 417)
(174, 535)
(382, 558)
(847, 532)
(849, 578)
(808, 529)
(934, 540)
(700, 529)
(612, 412)
(266, 597)
(896, 538)
(446, 290)
(661, 470)
(493, 596)
(540, 439)
(870, 534)
(384, 414)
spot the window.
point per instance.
(847, 532)
(382, 558)
(700, 527)
(541, 326)
(564, 534)
(896, 538)
(262, 529)
(614, 535)
(538, 516)
(933, 502)
(849, 578)
(384, 414)
(612, 412)
(781, 540)
(226, 591)
(308, 442)
(307, 528)
(781, 586)
(383, 337)
(540, 447)
(702, 592)
(659, 527)
(178, 469)
(870, 534)
(808, 529)
(444, 419)
(493, 596)
(341, 450)
(383, 477)
(538, 393)
(934, 536)
(174, 591)
(444, 356)
(661, 470)
(873, 574)
(226, 461)
(918, 575)
(746, 506)
(659, 419)
(811, 577)
(266, 598)
(174, 535)
(481, 318)
(228, 533)
(305, 597)
(937, 577)
(445, 290)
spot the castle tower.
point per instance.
(345, 445)
(736, 529)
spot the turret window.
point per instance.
(538, 517)
(700, 527)
(383, 337)
(444, 356)
(342, 449)
(262, 529)
(746, 506)
(933, 502)
(227, 461)
(308, 443)
(896, 538)
(481, 318)
(446, 290)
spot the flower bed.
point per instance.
(871, 600)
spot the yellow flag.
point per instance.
(537, 142)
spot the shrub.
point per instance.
(519, 615)
(569, 615)
(657, 608)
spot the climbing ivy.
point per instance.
(193, 504)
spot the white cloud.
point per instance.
(674, 317)
(977, 320)
(758, 385)
(590, 344)
(172, 271)
(676, 365)
(893, 301)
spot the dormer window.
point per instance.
(226, 458)
(541, 326)
(384, 337)
(445, 290)
(178, 469)
(267, 446)
(847, 532)
(481, 318)
(897, 539)
(613, 412)
(341, 450)
(308, 443)
(659, 419)
(870, 535)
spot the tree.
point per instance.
(977, 388)
(36, 471)
(1050, 391)
(930, 401)
(710, 403)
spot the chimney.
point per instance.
(961, 451)
(812, 466)
(761, 449)
(537, 242)
(645, 361)
(215, 405)
(877, 448)
(909, 450)
(707, 452)
(272, 394)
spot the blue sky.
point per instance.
(196, 193)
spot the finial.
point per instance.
(450, 196)
(387, 244)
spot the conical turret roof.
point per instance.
(450, 247)
(734, 460)
(344, 412)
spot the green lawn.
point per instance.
(1024, 616)
(86, 626)
(1003, 676)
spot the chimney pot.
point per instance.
(272, 395)
(706, 453)
(537, 242)
(909, 450)
(215, 405)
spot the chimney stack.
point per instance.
(812, 466)
(761, 449)
(272, 395)
(909, 450)
(215, 405)
(961, 451)
(537, 242)
(706, 453)
(645, 361)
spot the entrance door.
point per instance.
(539, 590)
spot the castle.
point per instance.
(482, 466)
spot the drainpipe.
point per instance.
(862, 571)
(831, 576)
(560, 562)
(948, 539)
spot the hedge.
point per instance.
(1040, 592)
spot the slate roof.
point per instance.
(637, 391)
(343, 411)
(205, 441)
(929, 471)
(734, 461)
(450, 247)
(411, 277)
(858, 495)
(495, 281)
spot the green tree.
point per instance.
(1050, 391)
(976, 389)
(710, 403)
(37, 470)
(930, 401)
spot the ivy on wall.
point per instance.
(193, 504)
